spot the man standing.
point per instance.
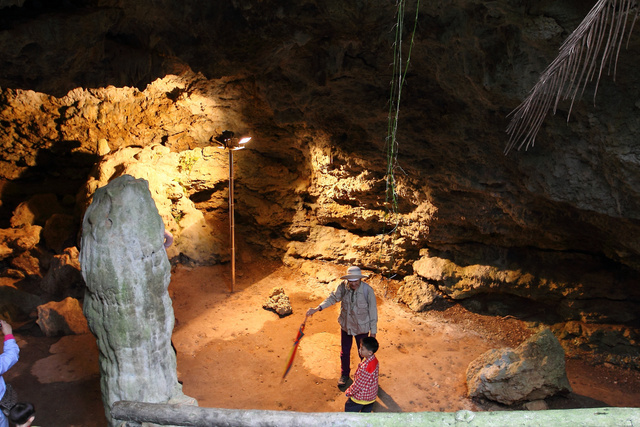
(358, 315)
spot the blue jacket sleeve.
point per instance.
(9, 355)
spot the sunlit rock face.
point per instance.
(141, 89)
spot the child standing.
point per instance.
(364, 390)
(8, 358)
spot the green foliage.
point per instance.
(186, 162)
(400, 69)
(179, 181)
(177, 216)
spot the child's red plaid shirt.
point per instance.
(365, 381)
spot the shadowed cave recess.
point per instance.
(92, 90)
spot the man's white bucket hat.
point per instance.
(354, 273)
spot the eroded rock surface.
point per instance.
(62, 318)
(532, 371)
(127, 304)
(278, 302)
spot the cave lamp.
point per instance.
(228, 141)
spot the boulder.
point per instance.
(28, 264)
(64, 277)
(278, 302)
(28, 237)
(536, 405)
(417, 293)
(62, 318)
(35, 211)
(59, 232)
(534, 370)
(17, 304)
(22, 238)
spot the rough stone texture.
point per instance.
(416, 293)
(127, 304)
(62, 318)
(64, 276)
(173, 177)
(60, 232)
(278, 302)
(534, 370)
(615, 344)
(28, 264)
(567, 291)
(35, 211)
(21, 239)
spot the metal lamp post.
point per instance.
(229, 142)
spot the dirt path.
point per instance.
(232, 353)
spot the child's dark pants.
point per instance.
(351, 406)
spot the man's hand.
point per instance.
(311, 311)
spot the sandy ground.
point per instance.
(232, 353)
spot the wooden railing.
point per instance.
(135, 413)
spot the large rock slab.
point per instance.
(571, 286)
(64, 276)
(533, 371)
(416, 293)
(62, 318)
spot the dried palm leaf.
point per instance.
(597, 39)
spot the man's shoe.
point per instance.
(343, 380)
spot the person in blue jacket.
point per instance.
(8, 358)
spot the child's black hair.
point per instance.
(21, 412)
(370, 343)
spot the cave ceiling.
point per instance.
(324, 68)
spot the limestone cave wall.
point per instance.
(90, 90)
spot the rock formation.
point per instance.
(533, 371)
(62, 318)
(142, 88)
(416, 293)
(278, 302)
(127, 304)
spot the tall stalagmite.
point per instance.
(127, 303)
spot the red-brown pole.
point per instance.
(232, 223)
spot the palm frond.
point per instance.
(597, 39)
